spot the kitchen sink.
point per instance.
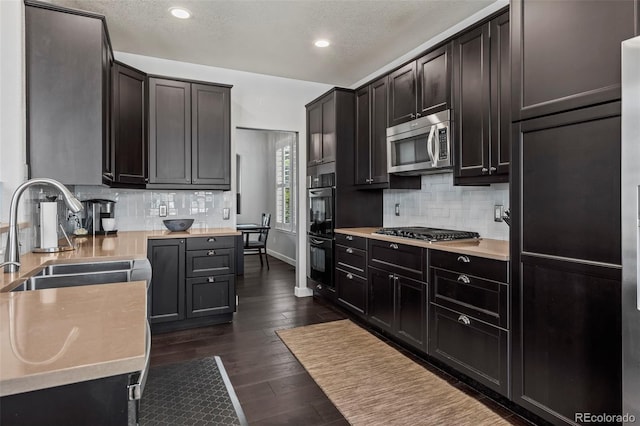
(79, 274)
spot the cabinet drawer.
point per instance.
(352, 260)
(472, 347)
(202, 263)
(210, 296)
(351, 291)
(351, 241)
(482, 299)
(479, 266)
(205, 243)
(399, 258)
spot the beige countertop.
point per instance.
(484, 247)
(53, 337)
(59, 336)
(123, 245)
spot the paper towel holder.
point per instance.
(58, 249)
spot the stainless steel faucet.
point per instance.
(12, 254)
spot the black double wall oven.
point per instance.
(321, 197)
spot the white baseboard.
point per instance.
(280, 256)
(303, 292)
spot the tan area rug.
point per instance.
(371, 383)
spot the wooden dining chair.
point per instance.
(260, 245)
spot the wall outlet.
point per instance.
(498, 212)
(226, 212)
(397, 209)
(162, 210)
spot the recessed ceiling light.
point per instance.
(180, 12)
(322, 43)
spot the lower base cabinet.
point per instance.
(193, 282)
(472, 347)
(351, 292)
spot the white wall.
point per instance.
(255, 161)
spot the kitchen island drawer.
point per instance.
(210, 296)
(473, 265)
(351, 291)
(479, 350)
(351, 241)
(352, 260)
(205, 243)
(402, 259)
(483, 299)
(202, 263)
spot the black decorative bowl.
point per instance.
(176, 225)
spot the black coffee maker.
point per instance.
(95, 210)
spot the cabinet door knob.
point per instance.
(350, 276)
(195, 180)
(418, 114)
(464, 320)
(349, 250)
(349, 237)
(211, 240)
(211, 279)
(492, 169)
(393, 246)
(188, 180)
(412, 115)
(484, 170)
(211, 253)
(464, 259)
(464, 279)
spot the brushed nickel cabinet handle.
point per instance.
(464, 320)
(484, 170)
(349, 250)
(464, 279)
(393, 246)
(349, 237)
(211, 253)
(211, 279)
(211, 240)
(464, 259)
(492, 169)
(350, 276)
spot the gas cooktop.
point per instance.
(428, 234)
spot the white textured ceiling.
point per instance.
(276, 37)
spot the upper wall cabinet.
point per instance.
(189, 135)
(421, 87)
(481, 93)
(370, 166)
(571, 61)
(68, 59)
(125, 155)
(321, 131)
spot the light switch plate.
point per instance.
(226, 213)
(498, 212)
(162, 210)
(397, 209)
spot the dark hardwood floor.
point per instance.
(272, 386)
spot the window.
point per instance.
(286, 182)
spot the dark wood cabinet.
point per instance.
(370, 165)
(125, 156)
(351, 273)
(167, 257)
(411, 311)
(321, 130)
(211, 147)
(189, 135)
(481, 111)
(571, 61)
(566, 286)
(569, 330)
(381, 299)
(570, 181)
(402, 259)
(68, 60)
(469, 322)
(421, 87)
(193, 281)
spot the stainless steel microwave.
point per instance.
(421, 146)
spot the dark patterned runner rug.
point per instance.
(192, 393)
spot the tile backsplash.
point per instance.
(439, 204)
(139, 209)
